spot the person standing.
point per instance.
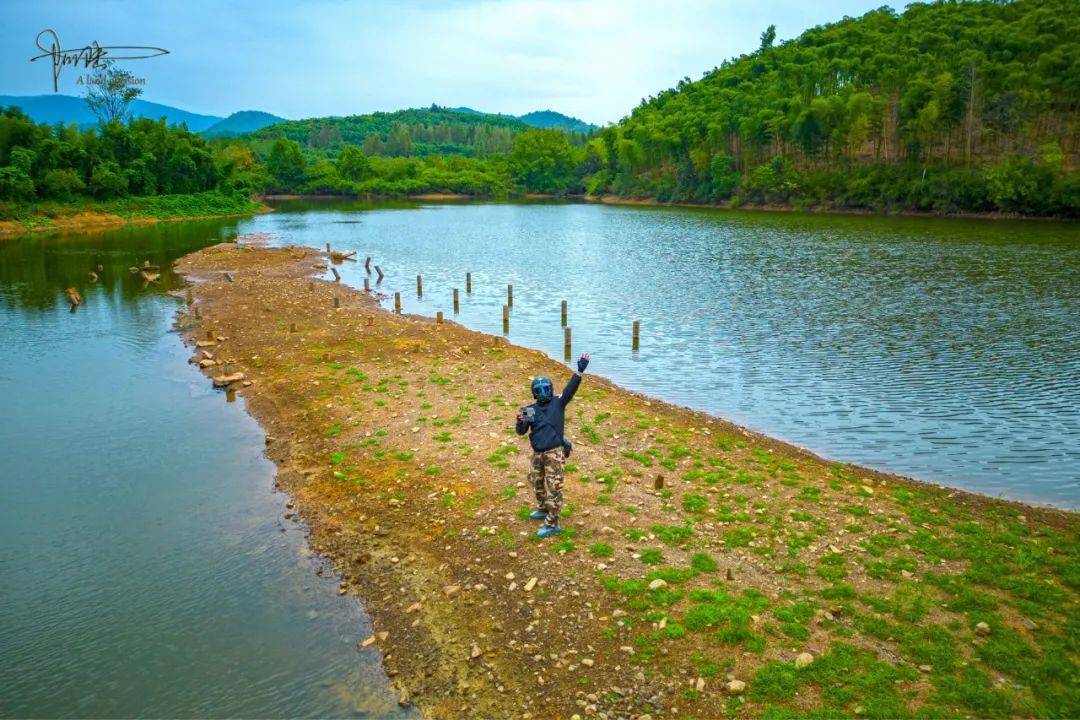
(544, 420)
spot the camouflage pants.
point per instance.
(546, 476)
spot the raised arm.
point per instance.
(572, 385)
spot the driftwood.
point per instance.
(380, 272)
(74, 296)
(147, 266)
(93, 276)
(149, 276)
(340, 256)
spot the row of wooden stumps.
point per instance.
(567, 333)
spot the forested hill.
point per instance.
(949, 106)
(420, 132)
(552, 119)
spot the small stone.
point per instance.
(451, 590)
(657, 584)
(530, 585)
(803, 660)
(368, 642)
(588, 662)
(476, 652)
(982, 629)
(699, 685)
(926, 668)
(735, 687)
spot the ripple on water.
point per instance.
(942, 349)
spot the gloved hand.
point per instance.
(583, 362)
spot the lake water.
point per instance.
(943, 349)
(146, 570)
(145, 567)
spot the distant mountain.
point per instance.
(71, 109)
(552, 119)
(238, 123)
(542, 119)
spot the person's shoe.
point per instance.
(538, 514)
(548, 531)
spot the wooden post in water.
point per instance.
(637, 334)
(506, 319)
(337, 277)
(380, 272)
(468, 282)
(327, 247)
(367, 284)
(397, 302)
(367, 264)
(438, 317)
(564, 313)
(419, 286)
(457, 307)
(566, 342)
(510, 295)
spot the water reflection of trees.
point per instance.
(36, 270)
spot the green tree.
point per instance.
(768, 37)
(353, 164)
(107, 181)
(62, 184)
(110, 91)
(543, 161)
(286, 163)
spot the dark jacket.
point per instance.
(546, 427)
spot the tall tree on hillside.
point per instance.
(110, 91)
(768, 37)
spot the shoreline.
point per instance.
(93, 221)
(631, 202)
(390, 433)
(862, 212)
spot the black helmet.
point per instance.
(542, 389)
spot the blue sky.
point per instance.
(595, 59)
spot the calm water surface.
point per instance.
(944, 349)
(145, 568)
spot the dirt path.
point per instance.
(704, 598)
